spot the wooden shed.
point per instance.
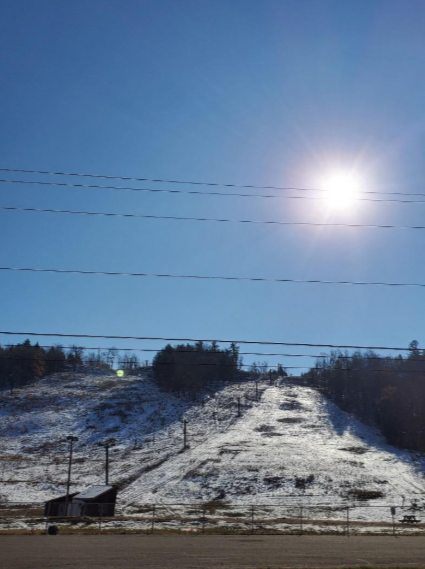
(57, 506)
(94, 502)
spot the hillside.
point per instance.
(290, 446)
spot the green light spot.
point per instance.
(120, 373)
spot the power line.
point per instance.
(203, 193)
(279, 354)
(165, 339)
(180, 218)
(192, 183)
(212, 277)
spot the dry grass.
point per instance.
(363, 495)
(355, 450)
(11, 457)
(107, 384)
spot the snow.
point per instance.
(291, 448)
(93, 492)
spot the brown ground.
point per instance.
(207, 552)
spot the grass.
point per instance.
(94, 530)
(11, 457)
(363, 495)
(107, 384)
(213, 505)
(355, 450)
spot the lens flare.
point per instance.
(341, 188)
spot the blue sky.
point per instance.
(246, 92)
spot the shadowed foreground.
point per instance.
(190, 552)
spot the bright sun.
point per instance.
(341, 188)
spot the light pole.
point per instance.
(106, 445)
(185, 434)
(71, 440)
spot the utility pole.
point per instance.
(71, 440)
(239, 406)
(270, 374)
(185, 434)
(106, 445)
(256, 389)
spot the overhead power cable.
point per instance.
(161, 190)
(279, 354)
(166, 339)
(213, 277)
(180, 218)
(191, 182)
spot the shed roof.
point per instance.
(62, 498)
(93, 492)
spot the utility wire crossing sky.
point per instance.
(230, 194)
(103, 176)
(301, 117)
(209, 277)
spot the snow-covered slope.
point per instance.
(290, 445)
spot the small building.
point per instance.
(93, 502)
(56, 507)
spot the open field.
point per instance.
(199, 552)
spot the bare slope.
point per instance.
(290, 445)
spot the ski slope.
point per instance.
(290, 446)
(293, 433)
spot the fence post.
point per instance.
(153, 518)
(203, 520)
(393, 514)
(252, 519)
(301, 520)
(348, 521)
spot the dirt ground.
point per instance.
(202, 552)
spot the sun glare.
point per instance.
(341, 189)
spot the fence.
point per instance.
(221, 518)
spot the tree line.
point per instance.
(24, 364)
(180, 368)
(189, 367)
(386, 392)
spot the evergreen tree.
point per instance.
(187, 367)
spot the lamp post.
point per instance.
(71, 440)
(185, 434)
(106, 445)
